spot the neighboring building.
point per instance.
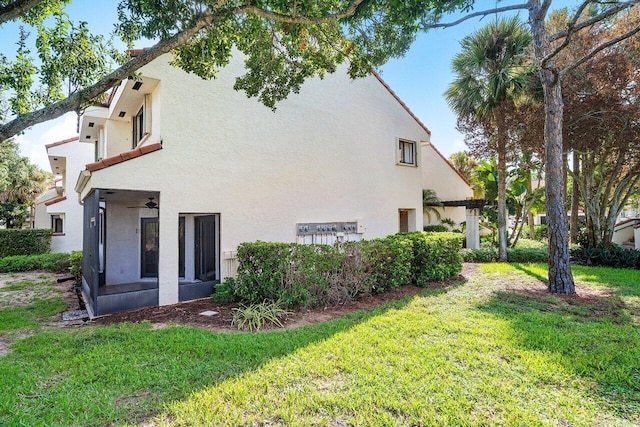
(625, 233)
(59, 207)
(187, 169)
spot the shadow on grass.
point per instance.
(129, 372)
(530, 272)
(593, 336)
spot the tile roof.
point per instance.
(123, 157)
(64, 141)
(56, 200)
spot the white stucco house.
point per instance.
(59, 207)
(187, 169)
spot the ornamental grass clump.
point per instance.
(254, 317)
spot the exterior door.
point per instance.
(149, 247)
(206, 247)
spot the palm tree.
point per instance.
(430, 203)
(491, 74)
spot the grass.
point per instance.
(20, 318)
(495, 350)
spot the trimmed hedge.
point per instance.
(315, 275)
(24, 242)
(56, 263)
(436, 256)
(513, 255)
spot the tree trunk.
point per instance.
(502, 186)
(575, 200)
(560, 277)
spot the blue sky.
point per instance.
(420, 78)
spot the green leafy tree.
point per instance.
(283, 42)
(491, 73)
(20, 184)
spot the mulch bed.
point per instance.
(188, 313)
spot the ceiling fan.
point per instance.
(150, 205)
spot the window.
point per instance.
(406, 152)
(56, 224)
(138, 127)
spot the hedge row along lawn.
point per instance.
(495, 349)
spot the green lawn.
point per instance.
(494, 350)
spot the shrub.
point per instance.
(436, 256)
(486, 254)
(255, 316)
(435, 228)
(613, 256)
(224, 291)
(526, 254)
(540, 230)
(386, 262)
(315, 275)
(57, 263)
(24, 242)
(75, 265)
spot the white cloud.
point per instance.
(32, 142)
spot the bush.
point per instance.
(315, 275)
(613, 256)
(436, 228)
(436, 256)
(528, 254)
(486, 254)
(75, 267)
(386, 262)
(540, 230)
(56, 263)
(24, 242)
(539, 254)
(224, 291)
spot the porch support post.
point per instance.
(168, 252)
(473, 228)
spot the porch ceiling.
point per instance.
(111, 195)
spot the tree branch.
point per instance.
(76, 100)
(482, 13)
(599, 48)
(570, 31)
(607, 13)
(14, 10)
(299, 19)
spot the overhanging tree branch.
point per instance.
(599, 48)
(75, 101)
(482, 13)
(619, 7)
(14, 10)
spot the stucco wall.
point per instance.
(326, 154)
(439, 176)
(77, 155)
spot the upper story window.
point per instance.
(141, 122)
(407, 152)
(138, 127)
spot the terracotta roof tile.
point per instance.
(123, 157)
(56, 200)
(64, 141)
